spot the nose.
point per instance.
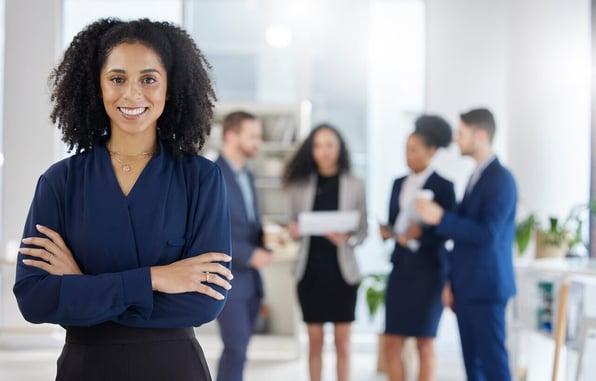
(133, 90)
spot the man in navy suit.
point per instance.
(482, 229)
(242, 139)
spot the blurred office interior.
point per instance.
(370, 67)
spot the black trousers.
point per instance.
(112, 352)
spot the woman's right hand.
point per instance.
(194, 274)
(447, 297)
(294, 230)
(385, 233)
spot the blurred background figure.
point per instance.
(242, 140)
(482, 228)
(318, 179)
(413, 296)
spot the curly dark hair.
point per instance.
(76, 94)
(302, 164)
(434, 131)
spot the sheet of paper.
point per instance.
(321, 223)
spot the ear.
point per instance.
(227, 135)
(483, 134)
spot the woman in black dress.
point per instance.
(318, 179)
(413, 297)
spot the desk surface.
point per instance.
(571, 266)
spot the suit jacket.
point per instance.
(351, 197)
(432, 245)
(483, 229)
(246, 236)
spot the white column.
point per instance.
(32, 37)
(467, 56)
(549, 104)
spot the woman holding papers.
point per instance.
(413, 298)
(318, 179)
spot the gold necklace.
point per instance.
(126, 167)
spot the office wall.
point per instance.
(29, 142)
(549, 103)
(467, 66)
(528, 61)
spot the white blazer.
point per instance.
(352, 196)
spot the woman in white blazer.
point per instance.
(318, 178)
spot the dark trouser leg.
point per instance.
(236, 325)
(482, 333)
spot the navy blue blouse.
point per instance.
(176, 209)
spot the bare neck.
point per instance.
(132, 144)
(482, 155)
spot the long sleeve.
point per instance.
(179, 211)
(483, 230)
(210, 232)
(394, 201)
(243, 251)
(445, 197)
(362, 232)
(75, 299)
(246, 233)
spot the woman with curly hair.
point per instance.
(318, 178)
(413, 297)
(127, 242)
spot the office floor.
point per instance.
(28, 364)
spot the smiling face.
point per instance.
(134, 89)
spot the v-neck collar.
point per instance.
(105, 155)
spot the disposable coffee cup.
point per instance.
(425, 194)
(271, 236)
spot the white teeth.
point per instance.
(132, 111)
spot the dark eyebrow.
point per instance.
(144, 71)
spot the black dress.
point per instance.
(323, 294)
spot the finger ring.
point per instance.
(207, 276)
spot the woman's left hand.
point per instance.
(414, 230)
(55, 256)
(337, 238)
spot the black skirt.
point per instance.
(112, 352)
(323, 293)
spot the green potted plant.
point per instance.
(375, 286)
(523, 233)
(558, 238)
